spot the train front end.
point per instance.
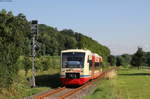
(73, 71)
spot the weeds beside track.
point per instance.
(63, 92)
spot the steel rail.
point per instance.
(74, 91)
(50, 93)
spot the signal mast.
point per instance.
(34, 32)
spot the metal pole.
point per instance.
(34, 33)
(33, 61)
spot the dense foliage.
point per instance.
(13, 41)
(52, 41)
(147, 58)
(138, 58)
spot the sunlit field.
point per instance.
(129, 84)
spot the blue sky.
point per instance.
(122, 25)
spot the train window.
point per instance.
(96, 64)
(73, 60)
(90, 63)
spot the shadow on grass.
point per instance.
(48, 81)
(135, 74)
(97, 90)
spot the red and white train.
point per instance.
(78, 66)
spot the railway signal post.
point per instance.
(34, 32)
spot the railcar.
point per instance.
(78, 66)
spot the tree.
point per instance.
(147, 58)
(126, 59)
(12, 39)
(112, 60)
(119, 61)
(138, 58)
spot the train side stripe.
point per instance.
(80, 75)
(85, 75)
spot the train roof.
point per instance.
(76, 50)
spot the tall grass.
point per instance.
(105, 90)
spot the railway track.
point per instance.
(66, 93)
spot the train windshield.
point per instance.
(73, 60)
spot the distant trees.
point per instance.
(138, 58)
(122, 60)
(119, 61)
(147, 58)
(52, 41)
(112, 60)
(126, 59)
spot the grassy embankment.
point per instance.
(129, 84)
(44, 80)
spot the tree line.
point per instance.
(15, 41)
(138, 59)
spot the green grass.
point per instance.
(134, 84)
(44, 79)
(105, 90)
(129, 84)
(21, 88)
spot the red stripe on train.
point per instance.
(78, 81)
